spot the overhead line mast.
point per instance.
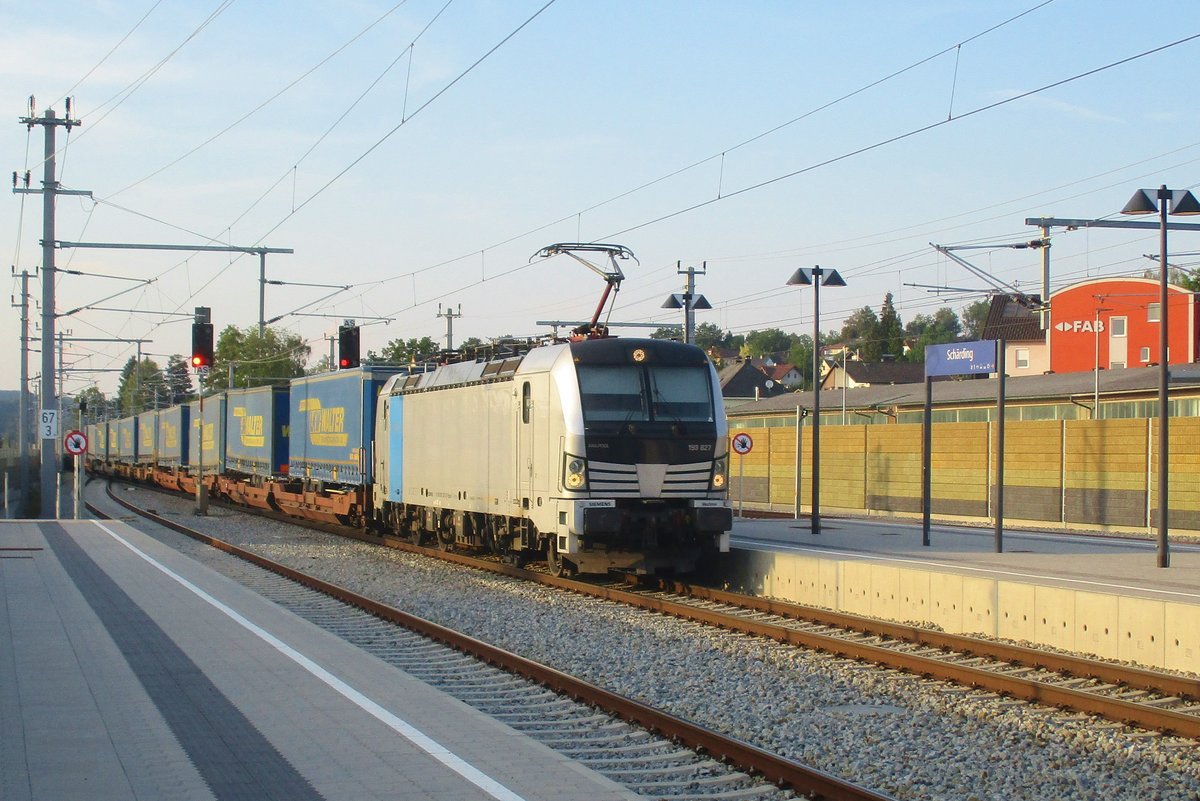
(48, 422)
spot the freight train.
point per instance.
(597, 454)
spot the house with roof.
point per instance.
(1026, 346)
(852, 374)
(741, 382)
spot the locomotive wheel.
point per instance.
(445, 540)
(555, 562)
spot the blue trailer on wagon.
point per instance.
(332, 417)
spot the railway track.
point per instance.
(1145, 699)
(647, 750)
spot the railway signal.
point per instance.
(202, 338)
(348, 345)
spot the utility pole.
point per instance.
(23, 426)
(689, 301)
(689, 307)
(449, 315)
(48, 423)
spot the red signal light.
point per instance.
(197, 361)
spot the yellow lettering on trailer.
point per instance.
(252, 430)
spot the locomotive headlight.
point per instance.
(719, 477)
(574, 473)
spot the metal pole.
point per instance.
(741, 483)
(48, 460)
(815, 516)
(799, 460)
(1096, 367)
(843, 384)
(689, 314)
(1000, 368)
(1045, 310)
(926, 461)
(23, 427)
(1164, 377)
(262, 294)
(77, 515)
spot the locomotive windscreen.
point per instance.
(638, 393)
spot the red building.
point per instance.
(1113, 323)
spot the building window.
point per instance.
(1145, 355)
(1116, 365)
(1152, 315)
(1022, 355)
(1117, 326)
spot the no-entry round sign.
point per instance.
(742, 443)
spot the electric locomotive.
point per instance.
(601, 453)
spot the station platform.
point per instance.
(130, 671)
(1100, 595)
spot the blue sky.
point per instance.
(444, 178)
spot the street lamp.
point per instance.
(1169, 201)
(816, 277)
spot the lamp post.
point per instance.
(1096, 365)
(1164, 201)
(816, 277)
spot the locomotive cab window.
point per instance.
(632, 393)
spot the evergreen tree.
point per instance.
(139, 385)
(890, 332)
(179, 381)
(861, 331)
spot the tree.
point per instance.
(92, 403)
(861, 328)
(272, 357)
(710, 335)
(940, 329)
(973, 318)
(801, 355)
(179, 381)
(770, 340)
(890, 333)
(668, 332)
(1188, 279)
(140, 383)
(404, 352)
(323, 365)
(471, 344)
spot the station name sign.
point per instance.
(960, 358)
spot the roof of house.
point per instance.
(1012, 321)
(777, 372)
(877, 373)
(742, 380)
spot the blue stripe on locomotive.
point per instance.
(332, 424)
(395, 448)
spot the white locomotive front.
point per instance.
(601, 454)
